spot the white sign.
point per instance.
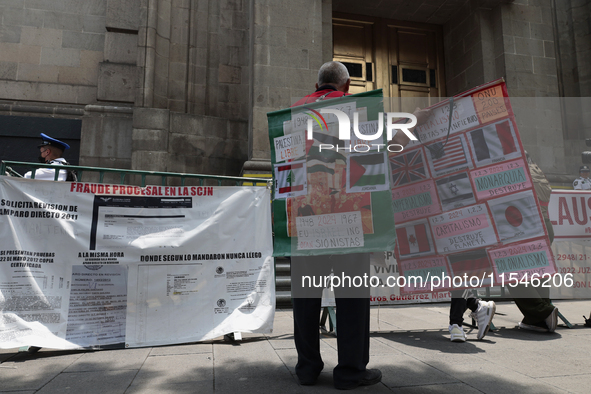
(290, 146)
(570, 212)
(436, 126)
(84, 265)
(334, 230)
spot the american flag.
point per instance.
(408, 167)
(450, 156)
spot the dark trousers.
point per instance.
(459, 305)
(352, 320)
(534, 302)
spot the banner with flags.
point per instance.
(332, 195)
(464, 200)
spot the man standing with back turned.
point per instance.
(352, 310)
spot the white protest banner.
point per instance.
(85, 265)
(570, 214)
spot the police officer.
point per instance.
(583, 182)
(51, 151)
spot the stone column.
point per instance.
(291, 41)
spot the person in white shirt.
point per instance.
(583, 182)
(51, 151)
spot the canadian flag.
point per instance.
(413, 240)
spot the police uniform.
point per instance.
(48, 174)
(582, 183)
(352, 313)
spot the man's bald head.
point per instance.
(335, 74)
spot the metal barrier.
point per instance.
(82, 170)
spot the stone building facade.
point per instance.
(185, 85)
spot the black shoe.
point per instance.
(308, 381)
(371, 376)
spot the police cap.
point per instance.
(47, 140)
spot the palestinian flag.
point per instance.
(367, 172)
(323, 161)
(290, 179)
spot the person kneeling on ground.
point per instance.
(482, 312)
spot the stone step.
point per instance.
(283, 298)
(283, 283)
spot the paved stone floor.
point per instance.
(410, 344)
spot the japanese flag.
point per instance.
(516, 217)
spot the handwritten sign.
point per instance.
(462, 194)
(490, 104)
(299, 121)
(415, 201)
(463, 118)
(501, 179)
(366, 128)
(526, 258)
(463, 229)
(291, 146)
(337, 230)
(424, 274)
